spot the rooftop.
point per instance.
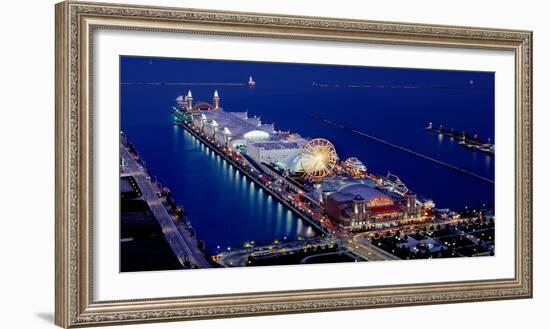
(238, 123)
(277, 145)
(341, 181)
(357, 192)
(365, 191)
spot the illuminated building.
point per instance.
(362, 206)
(231, 129)
(251, 82)
(249, 135)
(272, 151)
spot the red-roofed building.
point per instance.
(363, 206)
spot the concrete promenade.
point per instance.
(181, 241)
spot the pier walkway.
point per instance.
(183, 244)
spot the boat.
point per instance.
(354, 167)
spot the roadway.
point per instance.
(184, 246)
(239, 257)
(358, 245)
(361, 246)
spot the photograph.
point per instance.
(217, 162)
(227, 163)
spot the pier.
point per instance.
(466, 140)
(279, 196)
(241, 141)
(401, 148)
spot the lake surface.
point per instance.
(224, 206)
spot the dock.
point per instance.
(466, 140)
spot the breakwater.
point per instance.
(401, 148)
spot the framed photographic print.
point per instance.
(218, 164)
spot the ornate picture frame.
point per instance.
(75, 24)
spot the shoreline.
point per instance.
(179, 235)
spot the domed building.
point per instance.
(363, 206)
(291, 163)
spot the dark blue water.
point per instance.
(215, 195)
(226, 209)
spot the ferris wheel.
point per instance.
(318, 158)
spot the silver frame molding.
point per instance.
(75, 23)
